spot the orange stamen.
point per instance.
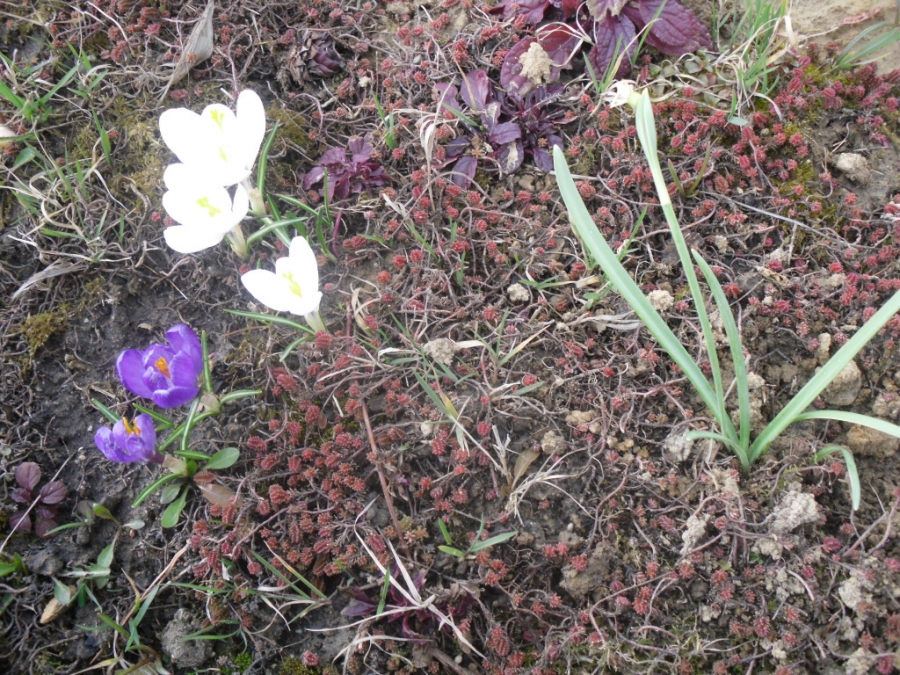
(162, 366)
(131, 427)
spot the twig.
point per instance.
(384, 486)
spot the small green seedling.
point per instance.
(477, 544)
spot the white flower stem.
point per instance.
(314, 319)
(237, 242)
(257, 200)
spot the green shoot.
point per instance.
(713, 393)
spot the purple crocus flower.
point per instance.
(166, 374)
(133, 441)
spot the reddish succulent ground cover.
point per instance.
(475, 370)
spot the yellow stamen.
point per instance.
(292, 285)
(222, 153)
(217, 116)
(213, 211)
(162, 366)
(131, 427)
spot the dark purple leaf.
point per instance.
(603, 9)
(568, 7)
(526, 58)
(532, 10)
(475, 90)
(43, 526)
(28, 475)
(53, 492)
(507, 132)
(360, 150)
(612, 37)
(360, 605)
(314, 176)
(447, 96)
(333, 156)
(20, 522)
(464, 171)
(677, 31)
(542, 158)
(457, 147)
(511, 156)
(21, 495)
(561, 43)
(45, 511)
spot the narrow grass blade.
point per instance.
(271, 318)
(737, 357)
(646, 130)
(618, 276)
(804, 398)
(852, 471)
(853, 418)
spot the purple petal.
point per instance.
(185, 340)
(185, 370)
(120, 445)
(174, 397)
(148, 432)
(130, 369)
(103, 439)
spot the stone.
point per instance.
(871, 442)
(844, 389)
(518, 293)
(795, 509)
(853, 165)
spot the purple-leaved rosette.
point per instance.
(166, 374)
(133, 441)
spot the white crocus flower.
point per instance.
(204, 209)
(293, 286)
(620, 93)
(217, 143)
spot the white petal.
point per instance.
(201, 205)
(301, 252)
(241, 201)
(308, 304)
(179, 128)
(187, 239)
(303, 264)
(269, 289)
(221, 119)
(177, 175)
(251, 117)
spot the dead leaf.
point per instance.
(219, 495)
(524, 460)
(198, 48)
(54, 609)
(53, 270)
